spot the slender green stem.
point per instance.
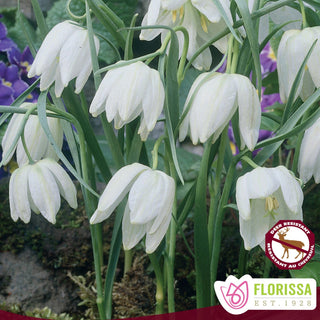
(218, 228)
(172, 249)
(127, 260)
(217, 185)
(201, 245)
(183, 58)
(249, 161)
(303, 13)
(26, 150)
(155, 151)
(160, 283)
(243, 257)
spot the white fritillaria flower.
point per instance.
(214, 99)
(309, 156)
(149, 206)
(63, 56)
(36, 140)
(201, 19)
(128, 91)
(293, 49)
(37, 187)
(265, 196)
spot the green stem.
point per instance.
(155, 151)
(183, 58)
(160, 284)
(249, 161)
(243, 257)
(303, 13)
(217, 185)
(127, 260)
(218, 228)
(201, 246)
(26, 150)
(172, 250)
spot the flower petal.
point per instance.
(146, 197)
(131, 233)
(249, 111)
(115, 191)
(44, 191)
(18, 195)
(66, 187)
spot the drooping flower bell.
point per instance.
(37, 187)
(309, 157)
(36, 140)
(149, 206)
(293, 49)
(214, 99)
(63, 56)
(128, 91)
(202, 20)
(265, 196)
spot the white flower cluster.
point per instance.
(130, 90)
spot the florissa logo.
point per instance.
(289, 244)
(239, 295)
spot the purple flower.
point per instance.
(11, 86)
(5, 43)
(268, 60)
(23, 61)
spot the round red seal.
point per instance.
(289, 244)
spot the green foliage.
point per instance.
(37, 313)
(125, 9)
(310, 270)
(15, 31)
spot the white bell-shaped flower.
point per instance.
(264, 196)
(149, 206)
(214, 99)
(63, 56)
(127, 92)
(201, 19)
(309, 157)
(36, 140)
(293, 49)
(37, 187)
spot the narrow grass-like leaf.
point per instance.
(115, 246)
(267, 152)
(252, 37)
(226, 20)
(128, 53)
(105, 16)
(295, 85)
(40, 18)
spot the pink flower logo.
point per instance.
(233, 293)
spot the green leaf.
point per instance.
(226, 20)
(125, 9)
(252, 37)
(267, 152)
(271, 83)
(310, 270)
(114, 253)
